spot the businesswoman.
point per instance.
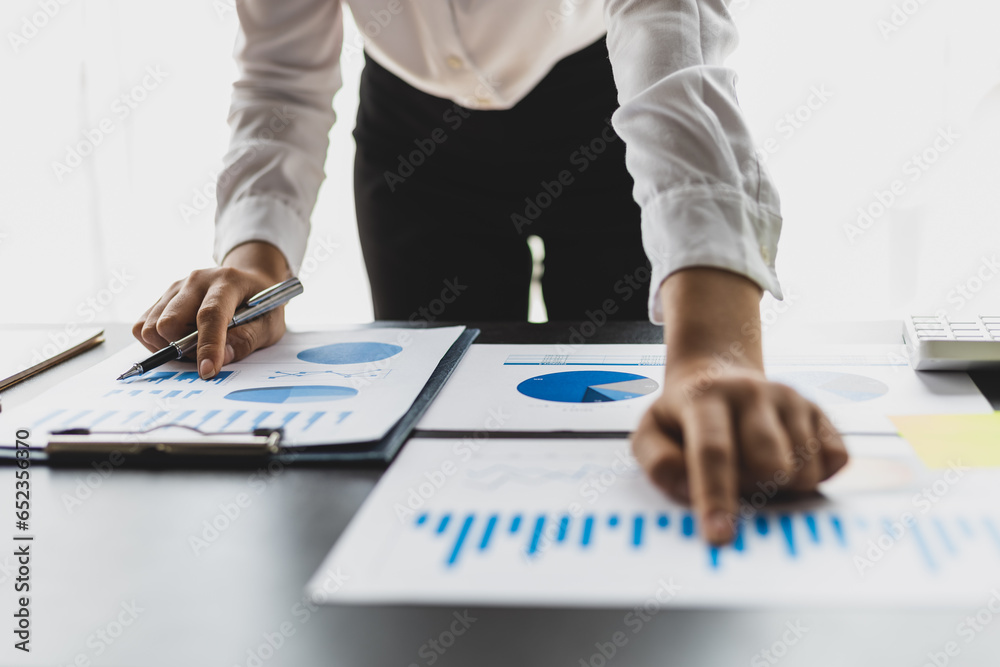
(609, 129)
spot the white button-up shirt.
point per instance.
(706, 199)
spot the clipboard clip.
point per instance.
(157, 441)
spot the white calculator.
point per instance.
(939, 344)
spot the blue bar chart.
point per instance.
(471, 534)
(207, 421)
(170, 377)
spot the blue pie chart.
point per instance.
(295, 394)
(587, 386)
(337, 354)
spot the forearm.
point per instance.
(711, 314)
(706, 200)
(287, 55)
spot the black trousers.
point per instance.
(446, 198)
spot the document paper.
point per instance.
(607, 388)
(561, 522)
(323, 387)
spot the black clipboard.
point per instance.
(156, 448)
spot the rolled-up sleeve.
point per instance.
(706, 199)
(288, 55)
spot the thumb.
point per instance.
(216, 312)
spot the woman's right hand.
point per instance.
(207, 299)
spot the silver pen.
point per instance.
(257, 305)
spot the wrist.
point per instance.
(710, 314)
(261, 258)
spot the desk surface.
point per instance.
(116, 548)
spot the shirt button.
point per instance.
(454, 62)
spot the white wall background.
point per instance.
(65, 237)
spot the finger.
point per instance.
(262, 332)
(137, 329)
(179, 317)
(711, 459)
(217, 309)
(834, 453)
(765, 449)
(807, 459)
(150, 337)
(662, 457)
(243, 340)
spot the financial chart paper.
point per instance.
(322, 387)
(568, 522)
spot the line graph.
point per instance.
(499, 475)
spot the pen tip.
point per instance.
(129, 373)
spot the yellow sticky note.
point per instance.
(940, 440)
